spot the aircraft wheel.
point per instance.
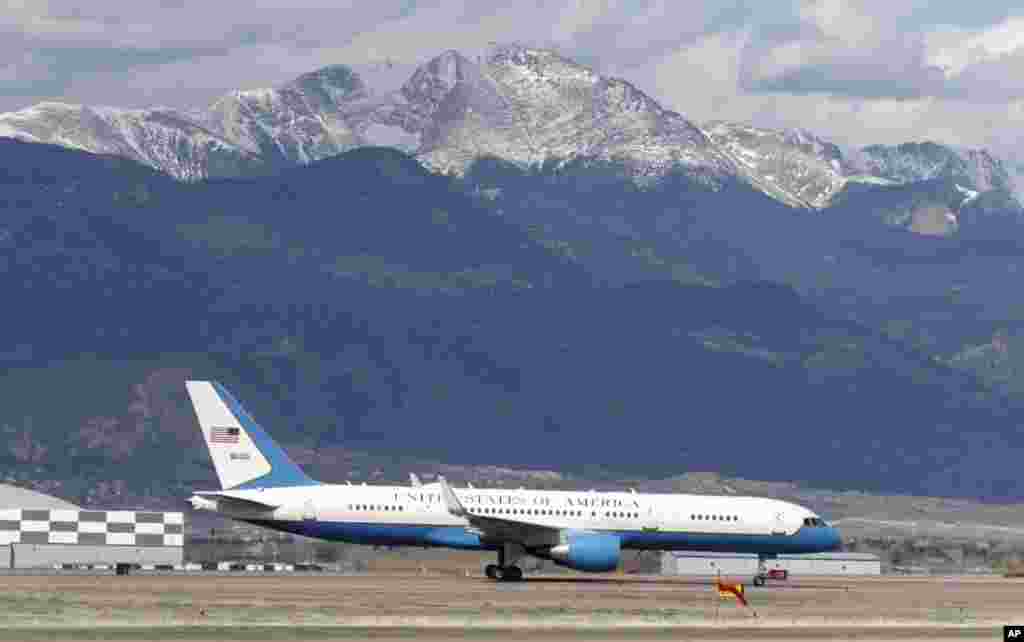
(491, 571)
(513, 574)
(758, 580)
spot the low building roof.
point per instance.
(15, 497)
(838, 556)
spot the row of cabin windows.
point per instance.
(558, 513)
(504, 511)
(551, 512)
(531, 511)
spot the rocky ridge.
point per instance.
(163, 139)
(802, 170)
(516, 103)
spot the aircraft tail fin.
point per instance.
(243, 454)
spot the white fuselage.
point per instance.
(584, 530)
(403, 514)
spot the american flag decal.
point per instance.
(224, 435)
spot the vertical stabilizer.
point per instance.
(243, 454)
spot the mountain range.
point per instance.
(539, 267)
(411, 314)
(527, 106)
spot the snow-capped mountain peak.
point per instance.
(791, 165)
(800, 169)
(927, 160)
(522, 104)
(161, 138)
(525, 105)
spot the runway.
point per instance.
(448, 606)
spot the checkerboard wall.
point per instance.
(101, 527)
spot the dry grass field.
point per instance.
(1015, 569)
(435, 605)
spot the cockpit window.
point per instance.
(814, 522)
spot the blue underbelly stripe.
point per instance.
(380, 534)
(804, 541)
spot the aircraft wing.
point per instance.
(498, 528)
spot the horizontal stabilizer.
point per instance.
(237, 500)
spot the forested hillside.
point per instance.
(561, 317)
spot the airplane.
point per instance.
(581, 530)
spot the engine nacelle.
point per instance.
(592, 552)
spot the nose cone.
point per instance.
(818, 539)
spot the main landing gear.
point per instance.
(506, 570)
(504, 573)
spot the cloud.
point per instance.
(837, 48)
(184, 23)
(863, 50)
(794, 72)
(616, 35)
(854, 70)
(90, 46)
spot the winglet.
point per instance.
(451, 502)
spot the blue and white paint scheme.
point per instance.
(582, 530)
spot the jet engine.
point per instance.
(592, 552)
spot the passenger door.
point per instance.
(779, 524)
(651, 519)
(309, 511)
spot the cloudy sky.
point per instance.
(855, 71)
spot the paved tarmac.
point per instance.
(435, 606)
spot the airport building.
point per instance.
(694, 563)
(40, 531)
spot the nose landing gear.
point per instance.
(762, 570)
